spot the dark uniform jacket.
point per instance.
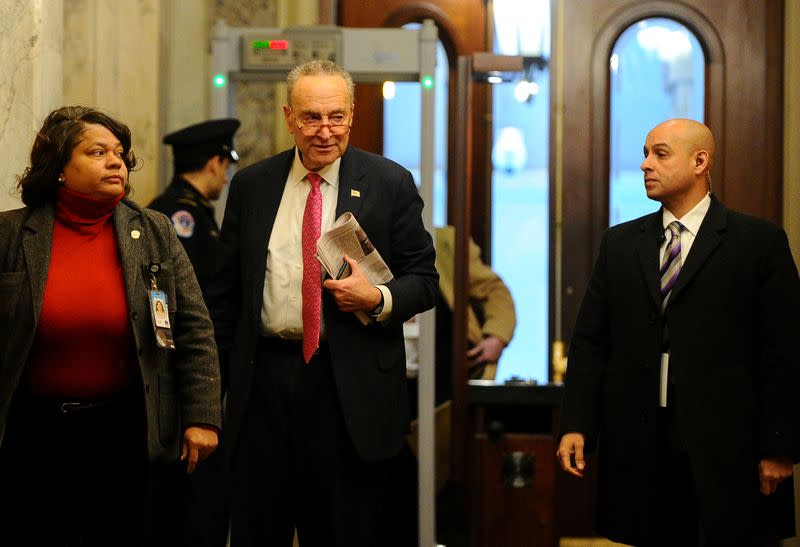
(181, 387)
(192, 215)
(732, 320)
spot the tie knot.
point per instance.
(675, 228)
(314, 179)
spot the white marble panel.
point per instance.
(30, 62)
(112, 61)
(187, 75)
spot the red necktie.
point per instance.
(312, 273)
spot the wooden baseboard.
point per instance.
(587, 542)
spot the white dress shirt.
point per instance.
(282, 304)
(282, 307)
(691, 223)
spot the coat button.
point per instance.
(651, 319)
(135, 316)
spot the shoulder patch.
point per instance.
(183, 222)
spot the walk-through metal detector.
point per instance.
(371, 56)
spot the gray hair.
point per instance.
(319, 68)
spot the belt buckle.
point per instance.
(68, 406)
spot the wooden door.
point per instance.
(742, 42)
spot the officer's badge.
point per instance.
(184, 223)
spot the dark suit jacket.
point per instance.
(368, 361)
(181, 387)
(732, 319)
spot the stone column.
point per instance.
(30, 85)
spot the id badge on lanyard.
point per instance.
(159, 311)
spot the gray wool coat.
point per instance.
(180, 387)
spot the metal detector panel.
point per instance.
(370, 55)
(281, 51)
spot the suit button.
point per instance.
(644, 419)
(135, 316)
(651, 319)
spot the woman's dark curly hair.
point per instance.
(52, 149)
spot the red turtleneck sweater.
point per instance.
(84, 346)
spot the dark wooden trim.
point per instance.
(462, 147)
(326, 12)
(773, 81)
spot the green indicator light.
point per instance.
(427, 81)
(219, 80)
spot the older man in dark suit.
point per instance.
(682, 364)
(316, 404)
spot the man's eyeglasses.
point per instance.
(337, 124)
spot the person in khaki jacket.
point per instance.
(492, 319)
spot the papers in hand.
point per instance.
(348, 238)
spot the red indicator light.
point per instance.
(278, 44)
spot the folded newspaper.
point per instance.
(348, 238)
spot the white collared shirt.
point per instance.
(691, 222)
(282, 306)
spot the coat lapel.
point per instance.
(37, 245)
(127, 223)
(708, 238)
(352, 188)
(647, 249)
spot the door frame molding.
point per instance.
(714, 107)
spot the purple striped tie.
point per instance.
(671, 264)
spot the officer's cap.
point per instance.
(192, 146)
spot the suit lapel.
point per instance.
(709, 236)
(127, 224)
(352, 188)
(37, 245)
(647, 249)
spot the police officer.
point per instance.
(202, 154)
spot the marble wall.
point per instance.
(112, 61)
(255, 104)
(30, 85)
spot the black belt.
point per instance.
(286, 345)
(52, 405)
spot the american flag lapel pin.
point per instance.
(354, 193)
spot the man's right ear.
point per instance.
(213, 163)
(701, 161)
(287, 116)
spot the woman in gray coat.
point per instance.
(96, 397)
